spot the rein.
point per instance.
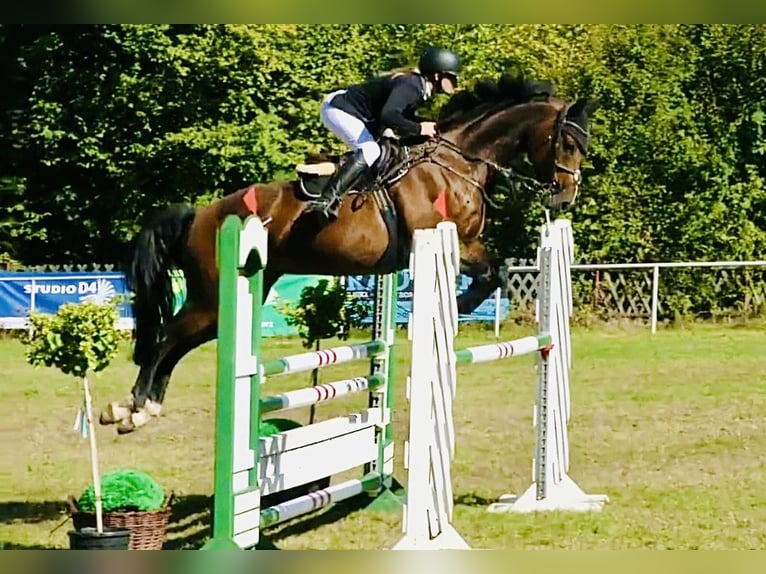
(542, 188)
(510, 174)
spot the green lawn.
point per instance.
(670, 426)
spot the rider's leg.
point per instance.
(366, 152)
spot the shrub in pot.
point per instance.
(80, 339)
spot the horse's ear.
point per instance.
(591, 106)
(582, 109)
(579, 114)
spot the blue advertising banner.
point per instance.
(363, 287)
(22, 292)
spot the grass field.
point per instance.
(670, 426)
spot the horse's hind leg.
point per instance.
(192, 327)
(476, 263)
(123, 411)
(188, 330)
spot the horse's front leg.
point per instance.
(476, 263)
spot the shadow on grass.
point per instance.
(472, 499)
(32, 512)
(188, 527)
(190, 519)
(4, 545)
(189, 524)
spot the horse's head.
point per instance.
(556, 150)
(500, 121)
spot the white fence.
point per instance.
(638, 298)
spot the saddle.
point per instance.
(394, 162)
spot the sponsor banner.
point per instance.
(363, 287)
(287, 290)
(22, 292)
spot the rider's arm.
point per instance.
(405, 94)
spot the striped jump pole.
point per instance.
(324, 358)
(321, 393)
(319, 499)
(248, 465)
(505, 350)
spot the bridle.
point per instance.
(515, 178)
(581, 136)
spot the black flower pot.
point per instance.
(89, 538)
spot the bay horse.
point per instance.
(481, 132)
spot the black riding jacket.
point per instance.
(386, 102)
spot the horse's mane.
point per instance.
(507, 90)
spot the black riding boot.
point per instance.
(332, 194)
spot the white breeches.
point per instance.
(350, 129)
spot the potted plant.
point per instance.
(80, 339)
(132, 500)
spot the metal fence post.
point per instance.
(655, 294)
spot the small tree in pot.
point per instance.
(80, 339)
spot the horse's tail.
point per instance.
(158, 250)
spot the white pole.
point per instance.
(93, 456)
(655, 293)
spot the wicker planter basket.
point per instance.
(147, 528)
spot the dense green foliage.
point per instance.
(100, 125)
(79, 338)
(324, 311)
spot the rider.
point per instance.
(354, 114)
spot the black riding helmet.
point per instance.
(439, 61)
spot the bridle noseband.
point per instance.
(582, 138)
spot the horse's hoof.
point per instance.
(136, 419)
(152, 408)
(125, 426)
(114, 413)
(140, 418)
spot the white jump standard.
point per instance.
(552, 488)
(431, 388)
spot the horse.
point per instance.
(447, 177)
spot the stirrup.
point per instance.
(313, 196)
